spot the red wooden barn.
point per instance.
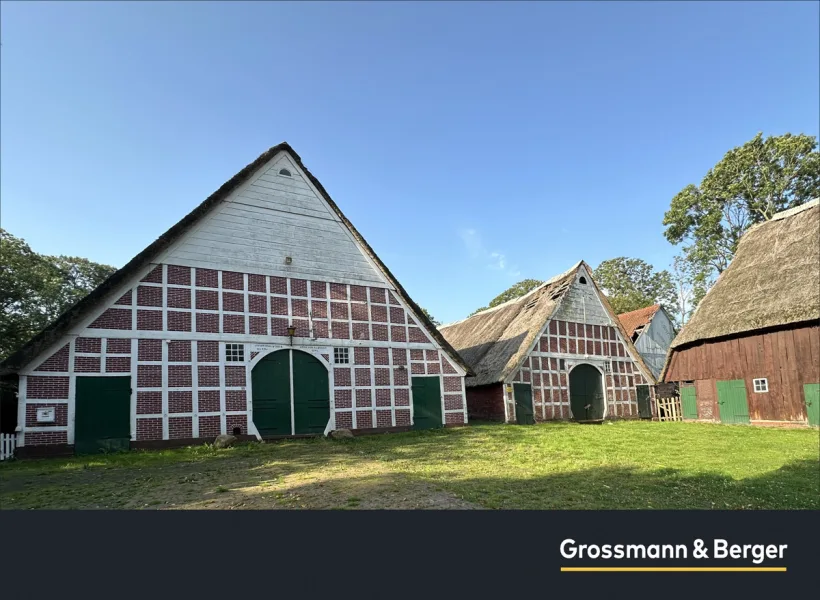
(751, 351)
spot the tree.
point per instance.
(515, 291)
(689, 289)
(433, 320)
(631, 283)
(749, 185)
(35, 289)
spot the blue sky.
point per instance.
(472, 144)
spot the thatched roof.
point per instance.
(70, 318)
(495, 341)
(638, 319)
(773, 280)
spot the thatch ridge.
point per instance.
(83, 307)
(772, 281)
(495, 341)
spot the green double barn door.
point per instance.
(732, 402)
(102, 414)
(291, 394)
(586, 393)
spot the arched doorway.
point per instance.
(586, 393)
(285, 405)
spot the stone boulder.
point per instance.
(224, 441)
(341, 434)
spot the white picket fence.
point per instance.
(8, 442)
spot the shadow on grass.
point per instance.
(454, 468)
(794, 486)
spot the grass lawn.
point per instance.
(548, 466)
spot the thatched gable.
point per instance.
(773, 280)
(74, 315)
(495, 341)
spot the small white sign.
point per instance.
(264, 348)
(46, 415)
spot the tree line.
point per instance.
(749, 185)
(36, 288)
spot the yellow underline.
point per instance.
(676, 569)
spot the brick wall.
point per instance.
(183, 388)
(486, 402)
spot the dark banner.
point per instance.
(653, 553)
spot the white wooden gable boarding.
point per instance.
(276, 214)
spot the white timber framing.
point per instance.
(311, 344)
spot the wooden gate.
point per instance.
(669, 409)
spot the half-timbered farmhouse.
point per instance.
(263, 312)
(751, 351)
(559, 352)
(652, 331)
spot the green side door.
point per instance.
(426, 402)
(644, 409)
(102, 414)
(311, 394)
(811, 394)
(522, 392)
(732, 401)
(689, 403)
(270, 379)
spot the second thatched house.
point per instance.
(559, 352)
(751, 351)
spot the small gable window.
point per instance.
(582, 280)
(761, 385)
(284, 172)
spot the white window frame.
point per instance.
(234, 352)
(341, 356)
(760, 385)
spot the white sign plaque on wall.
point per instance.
(46, 414)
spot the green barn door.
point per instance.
(732, 401)
(270, 379)
(586, 393)
(644, 409)
(523, 404)
(689, 403)
(102, 414)
(311, 394)
(811, 393)
(426, 402)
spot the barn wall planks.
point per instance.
(788, 358)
